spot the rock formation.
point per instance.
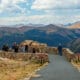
(39, 47)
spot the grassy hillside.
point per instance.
(15, 70)
(75, 45)
(18, 66)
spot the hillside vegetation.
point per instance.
(75, 45)
(16, 70)
(17, 66)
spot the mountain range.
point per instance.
(50, 34)
(75, 25)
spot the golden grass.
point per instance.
(76, 65)
(16, 70)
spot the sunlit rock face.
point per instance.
(39, 47)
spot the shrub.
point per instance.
(76, 58)
(40, 58)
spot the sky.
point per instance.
(39, 11)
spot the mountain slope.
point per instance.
(74, 45)
(75, 26)
(4, 31)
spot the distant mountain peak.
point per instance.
(75, 25)
(53, 25)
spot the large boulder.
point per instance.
(39, 47)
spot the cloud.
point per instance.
(38, 19)
(11, 5)
(18, 1)
(56, 4)
(39, 11)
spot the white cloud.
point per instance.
(51, 7)
(38, 19)
(17, 1)
(53, 4)
(5, 4)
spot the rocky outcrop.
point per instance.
(39, 47)
(68, 54)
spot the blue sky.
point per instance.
(39, 11)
